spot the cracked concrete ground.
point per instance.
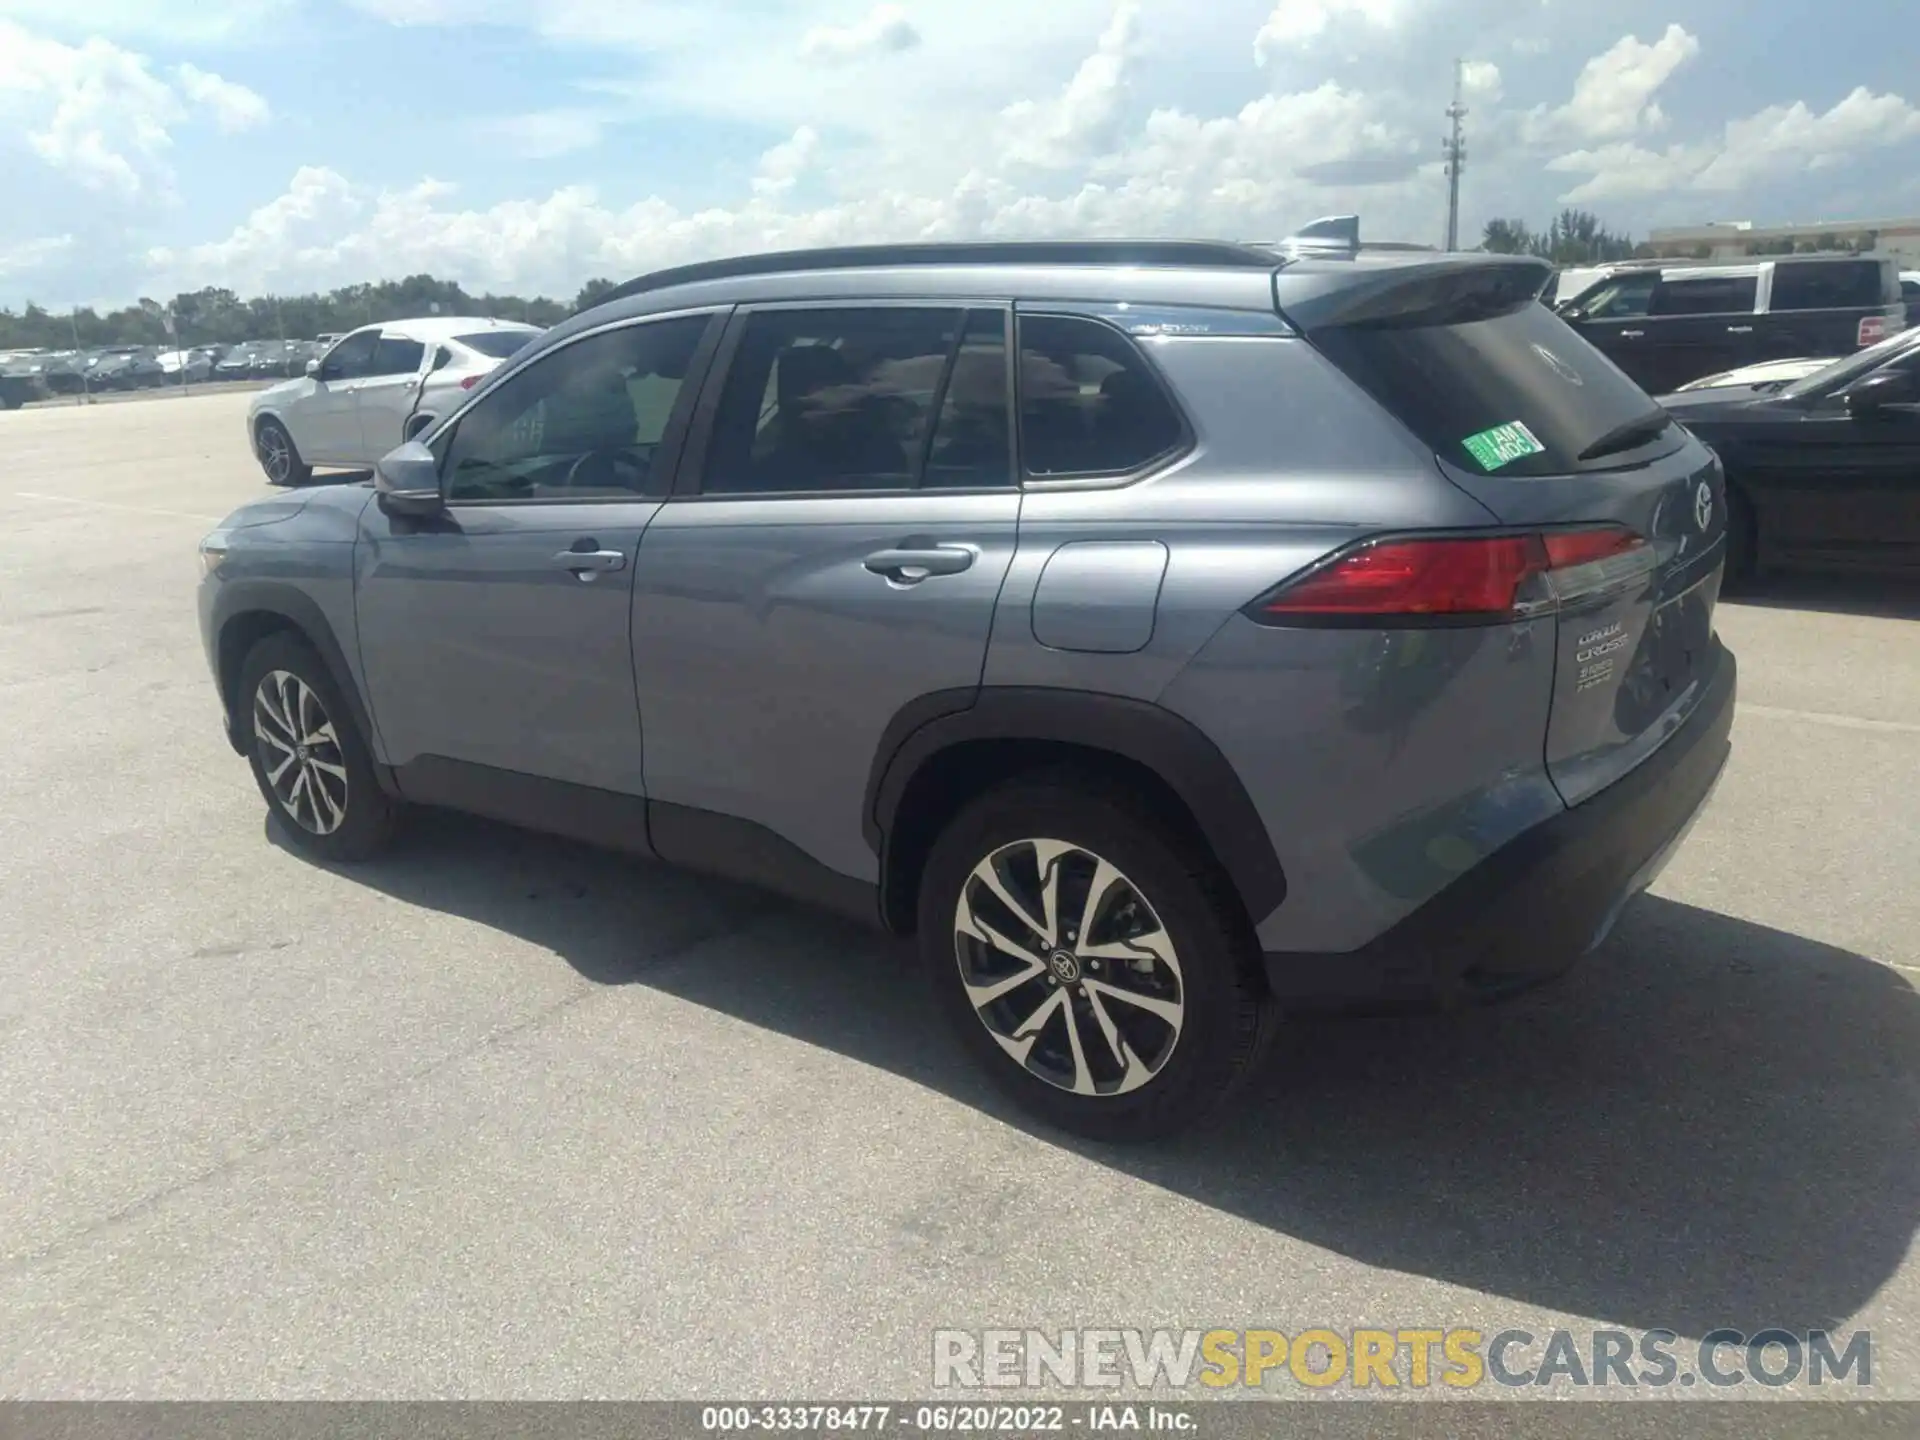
(500, 1116)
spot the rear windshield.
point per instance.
(1520, 393)
(498, 344)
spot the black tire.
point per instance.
(366, 815)
(1227, 1016)
(268, 436)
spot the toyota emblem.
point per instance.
(1703, 505)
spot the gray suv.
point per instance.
(1171, 635)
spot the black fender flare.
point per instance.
(1174, 748)
(242, 597)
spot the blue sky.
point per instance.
(150, 146)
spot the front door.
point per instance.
(1844, 488)
(324, 422)
(853, 514)
(496, 634)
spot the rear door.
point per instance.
(1526, 418)
(386, 395)
(1701, 322)
(838, 554)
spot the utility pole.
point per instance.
(1454, 147)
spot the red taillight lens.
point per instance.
(1486, 577)
(1582, 547)
(1872, 330)
(468, 382)
(1418, 577)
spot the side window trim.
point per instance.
(1096, 479)
(667, 456)
(687, 482)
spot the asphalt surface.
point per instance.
(503, 1117)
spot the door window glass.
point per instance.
(972, 443)
(1829, 285)
(585, 421)
(829, 400)
(395, 356)
(351, 358)
(1622, 298)
(1706, 295)
(1089, 405)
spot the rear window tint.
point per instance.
(1706, 295)
(1451, 383)
(1089, 404)
(1830, 285)
(498, 344)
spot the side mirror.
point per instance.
(407, 480)
(1572, 314)
(1889, 387)
(313, 369)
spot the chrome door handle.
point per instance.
(588, 563)
(909, 565)
(1631, 334)
(1739, 329)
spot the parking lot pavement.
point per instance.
(500, 1116)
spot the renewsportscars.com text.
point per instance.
(1414, 1358)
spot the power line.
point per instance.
(1454, 147)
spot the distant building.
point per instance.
(1736, 239)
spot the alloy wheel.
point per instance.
(276, 453)
(1069, 967)
(300, 752)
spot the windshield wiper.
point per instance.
(1635, 432)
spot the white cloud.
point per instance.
(1613, 98)
(1480, 79)
(884, 30)
(545, 134)
(783, 165)
(101, 114)
(1079, 122)
(26, 256)
(233, 106)
(1295, 22)
(176, 24)
(1779, 138)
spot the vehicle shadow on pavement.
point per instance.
(1831, 594)
(1710, 1123)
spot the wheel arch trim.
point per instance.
(294, 610)
(1169, 745)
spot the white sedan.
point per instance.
(375, 388)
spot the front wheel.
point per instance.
(312, 765)
(1092, 958)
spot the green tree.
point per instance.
(596, 290)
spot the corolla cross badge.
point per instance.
(1559, 367)
(1703, 505)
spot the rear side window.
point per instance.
(498, 344)
(1527, 367)
(1830, 285)
(1706, 295)
(1089, 404)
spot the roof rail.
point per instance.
(1170, 253)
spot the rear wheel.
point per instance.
(311, 764)
(1091, 958)
(278, 457)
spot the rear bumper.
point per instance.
(1542, 900)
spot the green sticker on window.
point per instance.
(1502, 445)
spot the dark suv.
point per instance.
(1170, 635)
(1666, 324)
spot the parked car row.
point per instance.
(28, 375)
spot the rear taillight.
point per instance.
(1873, 329)
(469, 381)
(1457, 579)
